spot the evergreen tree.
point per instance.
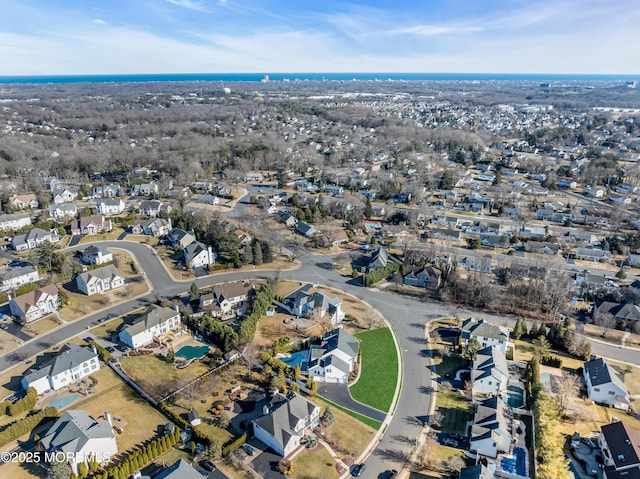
(368, 209)
(248, 255)
(194, 292)
(83, 470)
(267, 252)
(257, 254)
(519, 329)
(171, 356)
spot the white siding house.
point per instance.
(99, 280)
(605, 385)
(155, 322)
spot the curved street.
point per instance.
(406, 316)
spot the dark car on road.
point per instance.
(248, 449)
(358, 469)
(390, 474)
(449, 441)
(207, 465)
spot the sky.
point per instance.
(68, 37)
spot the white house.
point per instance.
(99, 280)
(208, 199)
(491, 429)
(285, 422)
(110, 206)
(490, 374)
(487, 334)
(20, 202)
(81, 438)
(95, 255)
(155, 322)
(12, 277)
(620, 446)
(197, 255)
(179, 238)
(60, 211)
(33, 238)
(334, 359)
(253, 177)
(91, 225)
(425, 277)
(605, 385)
(64, 195)
(71, 364)
(150, 208)
(227, 300)
(318, 304)
(36, 304)
(14, 222)
(152, 227)
(145, 189)
(106, 191)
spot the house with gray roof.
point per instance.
(64, 195)
(285, 421)
(180, 469)
(150, 208)
(33, 238)
(154, 323)
(197, 255)
(491, 429)
(605, 384)
(487, 334)
(14, 222)
(34, 305)
(179, 238)
(60, 211)
(81, 438)
(99, 280)
(627, 312)
(96, 255)
(68, 366)
(593, 254)
(489, 373)
(318, 304)
(477, 471)
(334, 359)
(620, 446)
(110, 206)
(12, 277)
(305, 229)
(152, 227)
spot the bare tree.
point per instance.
(453, 464)
(566, 387)
(605, 321)
(371, 319)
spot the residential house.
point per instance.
(334, 359)
(64, 368)
(623, 312)
(201, 185)
(285, 421)
(490, 374)
(99, 280)
(477, 471)
(14, 222)
(95, 255)
(243, 237)
(305, 229)
(107, 191)
(334, 190)
(152, 227)
(253, 177)
(333, 238)
(594, 192)
(33, 238)
(64, 195)
(145, 189)
(91, 225)
(378, 259)
(592, 254)
(208, 199)
(150, 208)
(605, 384)
(152, 324)
(542, 247)
(180, 469)
(491, 429)
(34, 305)
(110, 206)
(60, 211)
(81, 439)
(318, 304)
(422, 277)
(487, 334)
(620, 446)
(12, 277)
(288, 219)
(445, 234)
(228, 299)
(179, 239)
(634, 260)
(197, 255)
(20, 202)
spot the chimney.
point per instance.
(107, 417)
(93, 348)
(175, 308)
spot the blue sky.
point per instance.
(45, 37)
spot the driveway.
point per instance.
(266, 465)
(339, 394)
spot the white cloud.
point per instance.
(433, 30)
(99, 21)
(190, 4)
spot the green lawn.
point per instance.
(372, 423)
(456, 411)
(378, 370)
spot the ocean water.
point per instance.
(342, 77)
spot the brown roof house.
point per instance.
(36, 304)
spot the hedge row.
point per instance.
(197, 435)
(21, 405)
(25, 425)
(373, 277)
(234, 444)
(104, 355)
(259, 307)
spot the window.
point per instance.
(611, 393)
(596, 389)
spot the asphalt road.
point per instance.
(339, 394)
(407, 317)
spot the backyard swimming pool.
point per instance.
(295, 359)
(192, 352)
(64, 401)
(517, 464)
(515, 396)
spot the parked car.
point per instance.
(248, 449)
(390, 474)
(358, 469)
(207, 465)
(448, 441)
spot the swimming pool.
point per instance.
(295, 359)
(192, 352)
(516, 464)
(64, 401)
(515, 396)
